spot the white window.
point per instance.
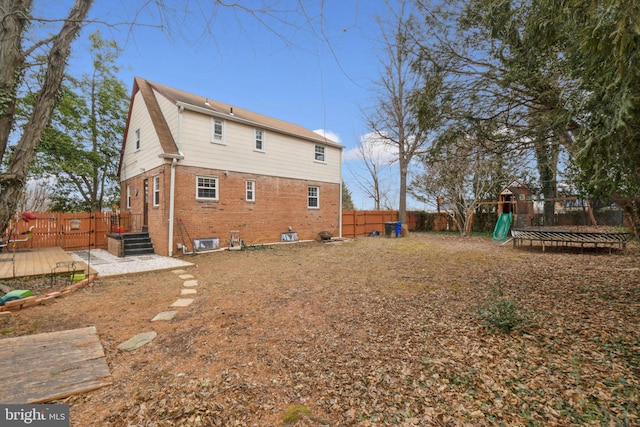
(137, 139)
(319, 153)
(259, 143)
(251, 191)
(156, 191)
(217, 131)
(313, 197)
(128, 197)
(207, 188)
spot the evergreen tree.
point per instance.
(81, 146)
(347, 202)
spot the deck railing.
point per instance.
(72, 231)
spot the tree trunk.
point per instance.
(631, 208)
(13, 24)
(12, 182)
(402, 209)
(547, 160)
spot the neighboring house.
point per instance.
(194, 168)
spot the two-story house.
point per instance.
(192, 168)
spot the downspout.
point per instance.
(172, 191)
(340, 212)
(172, 185)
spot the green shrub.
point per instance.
(293, 413)
(502, 314)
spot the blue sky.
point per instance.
(318, 74)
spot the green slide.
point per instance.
(501, 231)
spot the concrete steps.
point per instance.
(137, 244)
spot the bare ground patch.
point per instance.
(369, 332)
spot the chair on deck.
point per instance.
(25, 236)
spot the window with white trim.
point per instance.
(251, 191)
(156, 190)
(138, 142)
(319, 153)
(217, 131)
(313, 197)
(128, 196)
(259, 141)
(206, 188)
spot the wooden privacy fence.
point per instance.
(361, 223)
(75, 231)
(70, 231)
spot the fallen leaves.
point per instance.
(369, 333)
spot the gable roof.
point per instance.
(210, 107)
(232, 113)
(160, 125)
(515, 184)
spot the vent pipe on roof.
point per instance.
(206, 102)
(231, 111)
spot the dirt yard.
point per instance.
(371, 332)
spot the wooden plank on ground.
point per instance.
(44, 367)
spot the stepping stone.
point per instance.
(137, 341)
(178, 271)
(188, 291)
(165, 315)
(186, 276)
(190, 283)
(182, 302)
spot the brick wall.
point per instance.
(279, 203)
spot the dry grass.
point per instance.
(371, 332)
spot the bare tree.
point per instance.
(394, 119)
(36, 196)
(23, 46)
(460, 176)
(376, 159)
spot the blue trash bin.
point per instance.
(398, 229)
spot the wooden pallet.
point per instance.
(44, 367)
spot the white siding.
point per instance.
(284, 156)
(135, 161)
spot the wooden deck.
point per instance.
(38, 262)
(44, 367)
